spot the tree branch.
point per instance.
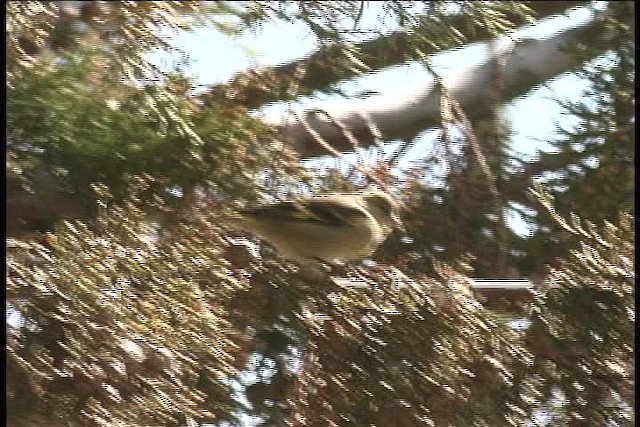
(255, 88)
(403, 114)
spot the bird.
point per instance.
(335, 227)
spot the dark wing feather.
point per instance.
(282, 209)
(333, 213)
(326, 212)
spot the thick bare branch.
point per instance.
(255, 88)
(405, 113)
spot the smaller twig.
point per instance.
(375, 133)
(345, 131)
(316, 136)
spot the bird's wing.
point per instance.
(322, 211)
(334, 213)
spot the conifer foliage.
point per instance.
(132, 301)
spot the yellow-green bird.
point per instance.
(330, 227)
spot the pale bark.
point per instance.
(403, 114)
(255, 88)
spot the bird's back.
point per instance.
(321, 227)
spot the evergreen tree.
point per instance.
(590, 167)
(147, 309)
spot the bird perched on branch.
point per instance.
(329, 228)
